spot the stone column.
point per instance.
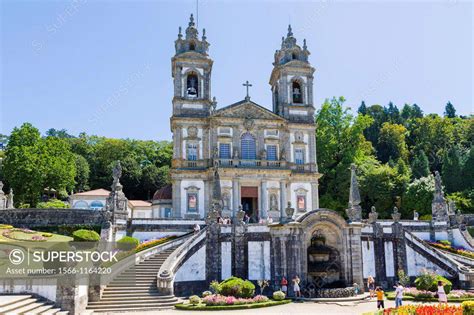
(379, 252)
(264, 200)
(315, 195)
(235, 196)
(177, 199)
(355, 253)
(207, 194)
(205, 143)
(283, 199)
(399, 248)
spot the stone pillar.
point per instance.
(235, 196)
(379, 252)
(69, 297)
(399, 248)
(213, 252)
(283, 199)
(264, 200)
(207, 194)
(240, 251)
(177, 199)
(355, 253)
(315, 195)
(205, 143)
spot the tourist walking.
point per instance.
(296, 286)
(197, 228)
(398, 294)
(442, 297)
(371, 285)
(284, 286)
(380, 295)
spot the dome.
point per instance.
(163, 193)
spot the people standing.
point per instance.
(442, 297)
(284, 286)
(197, 228)
(371, 285)
(296, 286)
(380, 295)
(398, 294)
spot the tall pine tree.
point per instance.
(362, 108)
(451, 170)
(449, 110)
(420, 165)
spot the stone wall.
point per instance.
(30, 218)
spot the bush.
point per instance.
(127, 243)
(468, 307)
(194, 300)
(237, 287)
(52, 204)
(445, 242)
(47, 234)
(206, 293)
(6, 227)
(85, 236)
(428, 281)
(279, 295)
(426, 217)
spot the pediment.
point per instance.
(247, 110)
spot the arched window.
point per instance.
(296, 91)
(192, 85)
(97, 205)
(248, 148)
(81, 205)
(192, 46)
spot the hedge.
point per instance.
(203, 307)
(127, 243)
(85, 236)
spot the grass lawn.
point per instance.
(19, 236)
(203, 307)
(391, 296)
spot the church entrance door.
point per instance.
(249, 202)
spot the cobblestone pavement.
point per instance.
(303, 308)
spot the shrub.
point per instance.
(85, 236)
(194, 300)
(403, 278)
(6, 227)
(279, 295)
(428, 281)
(153, 243)
(468, 307)
(214, 286)
(445, 242)
(206, 293)
(237, 287)
(52, 204)
(47, 234)
(127, 243)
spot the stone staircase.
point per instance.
(135, 289)
(27, 304)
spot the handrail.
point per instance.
(167, 272)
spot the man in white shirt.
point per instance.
(398, 295)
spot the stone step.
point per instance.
(132, 306)
(56, 311)
(27, 308)
(16, 305)
(41, 309)
(125, 295)
(9, 299)
(141, 300)
(135, 289)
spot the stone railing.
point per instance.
(168, 269)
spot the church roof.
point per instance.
(246, 109)
(164, 193)
(95, 192)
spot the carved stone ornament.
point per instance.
(289, 210)
(192, 132)
(373, 215)
(248, 123)
(396, 215)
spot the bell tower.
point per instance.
(292, 81)
(191, 71)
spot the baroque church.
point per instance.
(266, 159)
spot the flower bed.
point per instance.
(413, 294)
(444, 245)
(237, 303)
(421, 310)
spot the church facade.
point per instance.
(266, 158)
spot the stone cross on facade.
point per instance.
(247, 85)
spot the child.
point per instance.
(379, 292)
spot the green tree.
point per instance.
(82, 173)
(468, 170)
(449, 110)
(418, 196)
(362, 109)
(393, 114)
(154, 178)
(451, 170)
(340, 143)
(22, 168)
(378, 115)
(392, 144)
(420, 166)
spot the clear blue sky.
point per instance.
(104, 67)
